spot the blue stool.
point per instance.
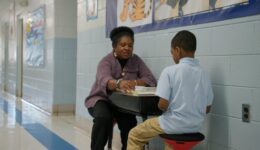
(182, 141)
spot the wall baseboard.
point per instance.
(63, 108)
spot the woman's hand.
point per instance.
(127, 85)
(111, 85)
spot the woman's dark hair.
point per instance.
(118, 32)
(185, 40)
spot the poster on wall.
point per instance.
(92, 9)
(151, 15)
(35, 41)
(131, 14)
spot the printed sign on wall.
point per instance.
(35, 40)
(134, 14)
(92, 9)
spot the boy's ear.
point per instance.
(178, 50)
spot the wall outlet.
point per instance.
(245, 112)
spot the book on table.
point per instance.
(142, 90)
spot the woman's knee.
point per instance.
(103, 120)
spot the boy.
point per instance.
(185, 95)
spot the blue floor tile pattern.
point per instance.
(43, 135)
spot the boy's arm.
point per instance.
(208, 109)
(163, 104)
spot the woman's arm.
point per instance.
(112, 85)
(104, 76)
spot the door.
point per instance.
(19, 71)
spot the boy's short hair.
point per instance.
(118, 32)
(185, 40)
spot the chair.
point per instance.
(182, 141)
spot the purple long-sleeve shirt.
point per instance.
(109, 68)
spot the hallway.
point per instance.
(25, 127)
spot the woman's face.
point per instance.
(124, 47)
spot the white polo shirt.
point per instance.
(188, 89)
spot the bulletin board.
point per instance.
(35, 38)
(151, 15)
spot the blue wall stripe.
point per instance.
(46, 137)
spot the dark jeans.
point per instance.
(104, 113)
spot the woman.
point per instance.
(119, 70)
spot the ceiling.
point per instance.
(4, 4)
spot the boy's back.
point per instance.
(188, 89)
(185, 95)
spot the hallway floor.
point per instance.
(25, 127)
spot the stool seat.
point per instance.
(184, 137)
(182, 141)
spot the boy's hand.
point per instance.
(163, 104)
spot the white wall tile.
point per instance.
(144, 46)
(218, 67)
(242, 135)
(203, 41)
(49, 21)
(228, 100)
(232, 39)
(65, 18)
(256, 37)
(156, 65)
(49, 2)
(255, 111)
(218, 130)
(81, 110)
(254, 137)
(215, 146)
(99, 35)
(162, 45)
(65, 32)
(34, 4)
(203, 145)
(244, 70)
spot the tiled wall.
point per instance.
(229, 52)
(38, 81)
(10, 66)
(91, 47)
(65, 55)
(51, 87)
